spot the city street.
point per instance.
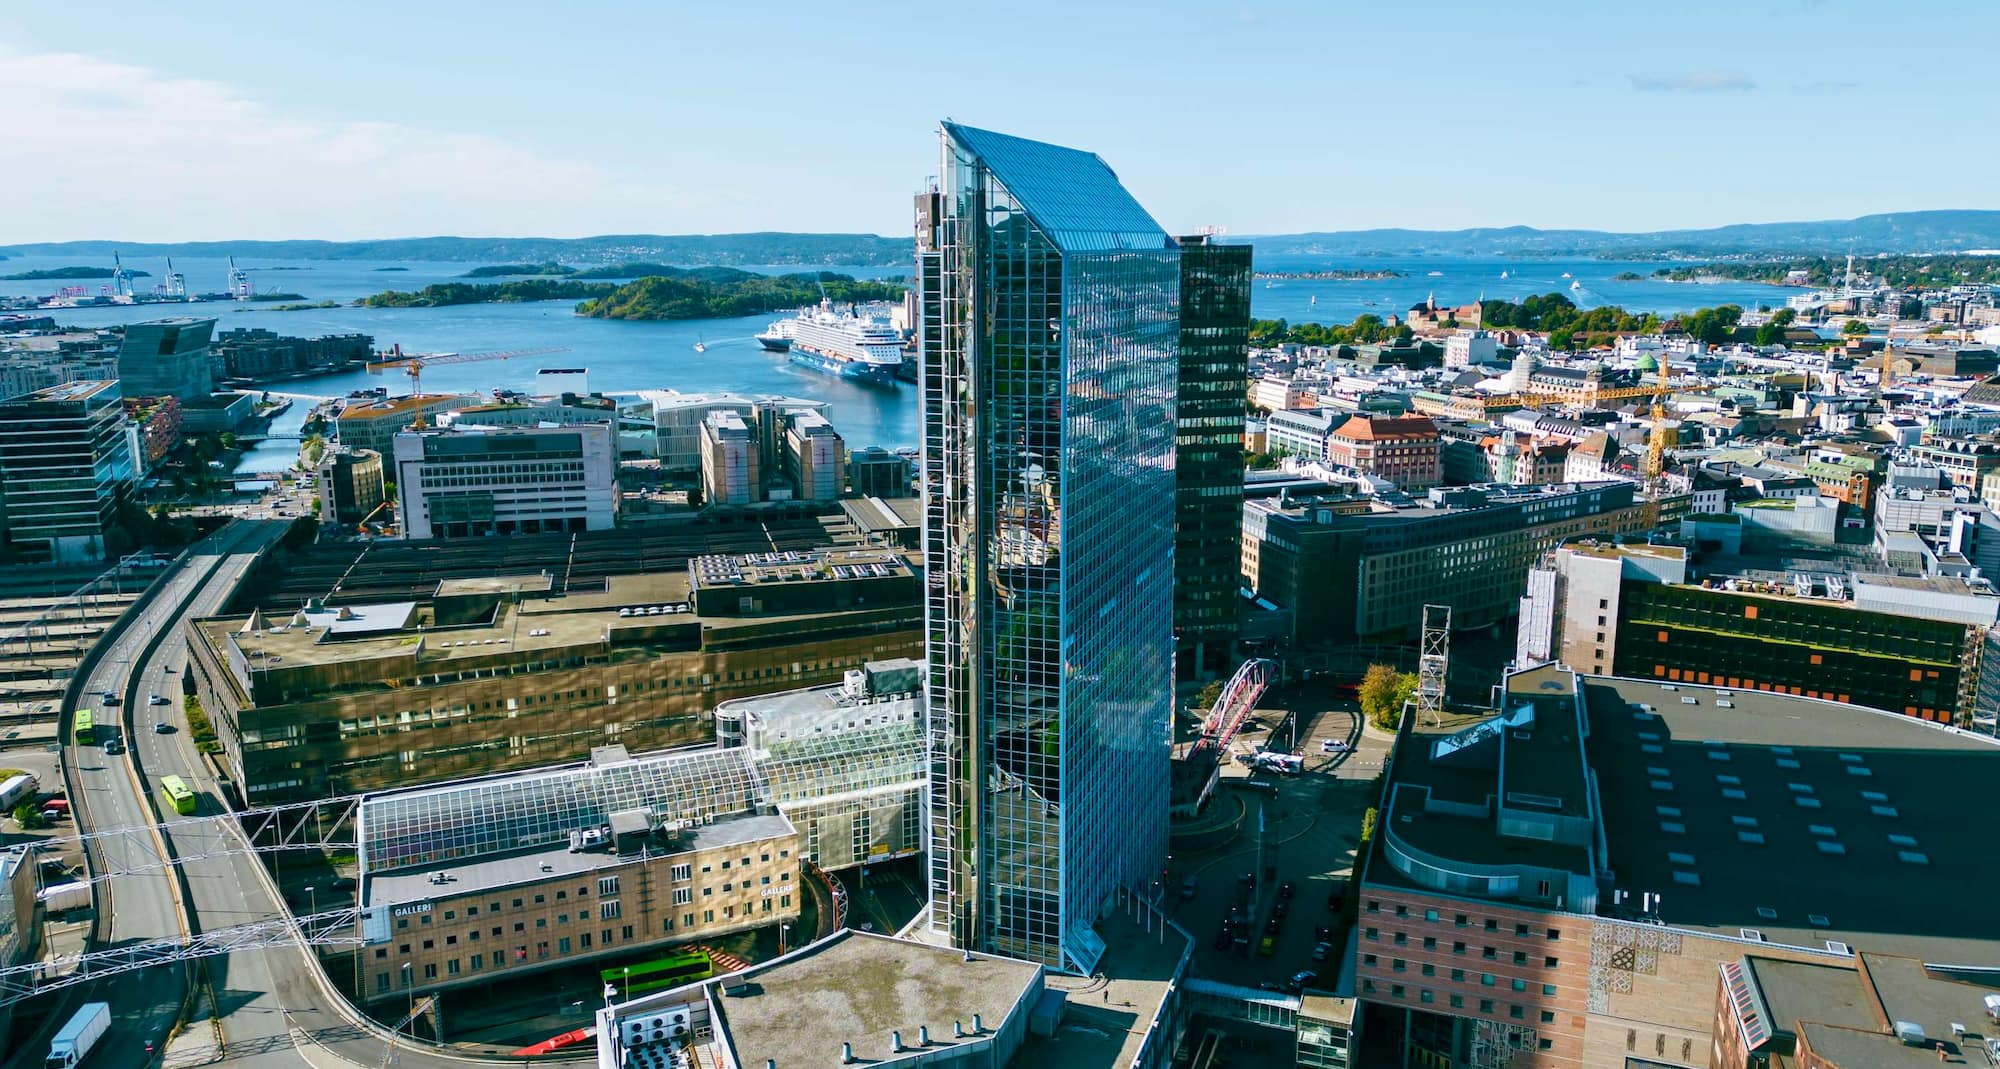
(1311, 822)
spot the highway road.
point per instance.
(272, 1008)
(140, 905)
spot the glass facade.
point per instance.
(1208, 447)
(1049, 335)
(65, 463)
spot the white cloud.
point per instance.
(1696, 82)
(99, 149)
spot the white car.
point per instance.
(1332, 746)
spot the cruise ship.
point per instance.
(863, 347)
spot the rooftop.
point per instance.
(494, 871)
(1072, 196)
(856, 987)
(386, 407)
(1816, 790)
(82, 390)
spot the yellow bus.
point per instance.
(176, 792)
(83, 731)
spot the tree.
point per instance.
(1854, 328)
(1209, 696)
(28, 817)
(1383, 693)
(1783, 317)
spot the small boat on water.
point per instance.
(700, 346)
(1437, 274)
(1503, 274)
(1565, 274)
(1576, 287)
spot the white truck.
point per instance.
(18, 789)
(76, 1039)
(64, 897)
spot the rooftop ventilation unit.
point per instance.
(1911, 1034)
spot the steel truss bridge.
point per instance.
(322, 825)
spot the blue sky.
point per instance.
(368, 119)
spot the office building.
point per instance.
(831, 777)
(154, 427)
(1399, 449)
(732, 472)
(1565, 883)
(1906, 644)
(470, 482)
(166, 357)
(65, 465)
(551, 869)
(497, 674)
(375, 424)
(1301, 432)
(1872, 1011)
(815, 457)
(873, 471)
(678, 418)
(20, 930)
(1354, 568)
(1469, 348)
(351, 485)
(256, 353)
(1048, 334)
(1208, 447)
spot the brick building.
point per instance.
(1561, 885)
(1401, 449)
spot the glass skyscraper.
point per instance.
(1208, 468)
(1049, 329)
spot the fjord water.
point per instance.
(634, 355)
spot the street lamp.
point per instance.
(782, 930)
(410, 992)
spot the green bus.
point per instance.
(175, 790)
(660, 973)
(83, 730)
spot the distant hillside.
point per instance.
(691, 250)
(1903, 232)
(1906, 232)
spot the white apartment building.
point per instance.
(456, 483)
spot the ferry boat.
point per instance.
(861, 347)
(777, 337)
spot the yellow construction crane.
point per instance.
(1621, 393)
(414, 364)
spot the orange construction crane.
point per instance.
(414, 364)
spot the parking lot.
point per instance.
(1303, 826)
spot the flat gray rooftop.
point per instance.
(496, 871)
(1868, 816)
(857, 988)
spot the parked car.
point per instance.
(1322, 951)
(1304, 978)
(1287, 890)
(1332, 746)
(1268, 947)
(1322, 934)
(1189, 885)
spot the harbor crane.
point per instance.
(413, 364)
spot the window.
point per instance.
(1458, 974)
(1397, 965)
(1424, 995)
(1458, 948)
(1486, 979)
(1430, 943)
(1458, 1001)
(1548, 963)
(1370, 934)
(1548, 1017)
(1545, 1043)
(1430, 914)
(1368, 959)
(1374, 906)
(1520, 957)
(1517, 1011)
(1429, 970)
(1396, 990)
(1548, 989)
(1402, 938)
(683, 871)
(607, 885)
(1522, 929)
(1490, 953)
(683, 896)
(1492, 925)
(1555, 934)
(1520, 984)
(1486, 1005)
(1459, 920)
(1402, 911)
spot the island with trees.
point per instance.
(519, 270)
(1903, 272)
(722, 292)
(441, 294)
(69, 273)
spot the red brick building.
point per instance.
(1401, 449)
(1562, 885)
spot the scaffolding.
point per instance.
(1433, 663)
